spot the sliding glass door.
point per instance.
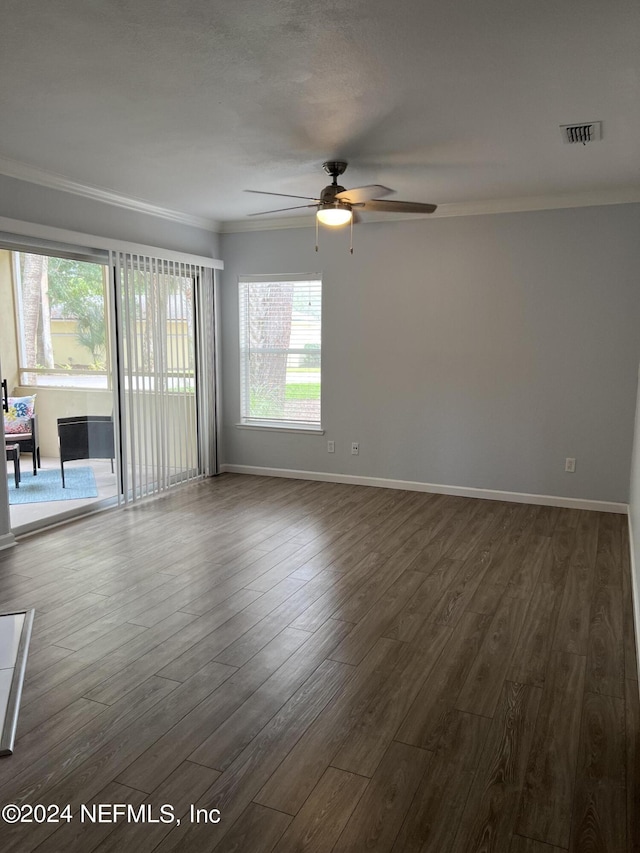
(165, 363)
(55, 351)
(109, 362)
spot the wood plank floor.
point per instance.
(333, 668)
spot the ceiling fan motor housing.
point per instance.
(328, 194)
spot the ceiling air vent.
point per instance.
(585, 132)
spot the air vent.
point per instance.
(585, 132)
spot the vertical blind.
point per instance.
(165, 362)
(280, 350)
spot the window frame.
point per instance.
(274, 424)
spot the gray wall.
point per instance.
(44, 206)
(477, 351)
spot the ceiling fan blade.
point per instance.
(280, 209)
(284, 195)
(358, 194)
(398, 206)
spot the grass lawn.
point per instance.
(303, 391)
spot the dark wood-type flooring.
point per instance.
(334, 668)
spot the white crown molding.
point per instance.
(414, 486)
(33, 175)
(463, 208)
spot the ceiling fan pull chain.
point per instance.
(351, 247)
(316, 233)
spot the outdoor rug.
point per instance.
(47, 485)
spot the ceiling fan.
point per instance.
(338, 206)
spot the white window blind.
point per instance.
(280, 350)
(167, 372)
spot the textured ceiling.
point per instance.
(185, 104)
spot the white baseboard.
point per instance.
(413, 486)
(635, 602)
(7, 540)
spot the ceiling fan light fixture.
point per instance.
(334, 213)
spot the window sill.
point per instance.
(276, 427)
(37, 387)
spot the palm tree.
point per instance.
(36, 321)
(271, 307)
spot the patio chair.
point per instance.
(85, 437)
(21, 427)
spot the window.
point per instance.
(280, 351)
(62, 321)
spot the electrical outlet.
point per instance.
(331, 447)
(570, 465)
(355, 448)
